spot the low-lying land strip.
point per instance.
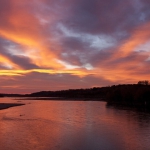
(7, 105)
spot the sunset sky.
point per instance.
(67, 44)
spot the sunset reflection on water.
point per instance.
(60, 125)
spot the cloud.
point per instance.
(31, 81)
(99, 41)
(24, 28)
(107, 17)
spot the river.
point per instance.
(72, 125)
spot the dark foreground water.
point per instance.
(70, 125)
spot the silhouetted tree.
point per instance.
(145, 82)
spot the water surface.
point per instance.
(70, 125)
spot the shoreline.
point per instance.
(61, 99)
(8, 105)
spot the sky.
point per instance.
(48, 45)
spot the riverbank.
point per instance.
(8, 105)
(61, 99)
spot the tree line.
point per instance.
(135, 95)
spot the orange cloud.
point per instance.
(16, 72)
(139, 36)
(121, 68)
(4, 61)
(25, 29)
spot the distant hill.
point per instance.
(133, 95)
(95, 92)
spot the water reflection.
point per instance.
(134, 126)
(60, 125)
(140, 116)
